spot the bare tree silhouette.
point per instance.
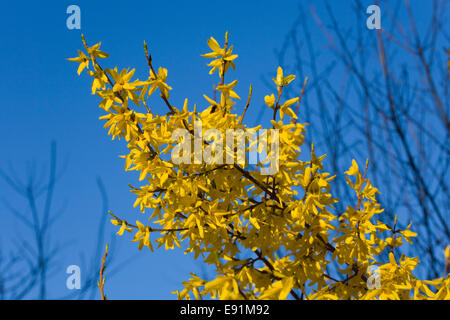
(383, 95)
(27, 267)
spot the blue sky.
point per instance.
(43, 99)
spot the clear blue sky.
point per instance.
(43, 99)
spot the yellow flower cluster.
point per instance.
(268, 237)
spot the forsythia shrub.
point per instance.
(268, 236)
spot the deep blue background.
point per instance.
(43, 99)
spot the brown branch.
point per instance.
(101, 282)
